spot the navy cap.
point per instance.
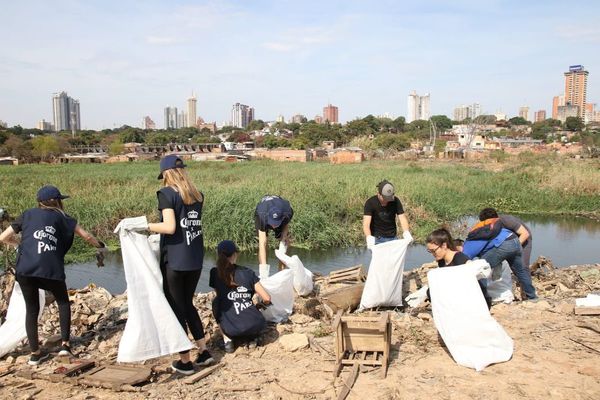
(169, 162)
(50, 192)
(227, 248)
(275, 216)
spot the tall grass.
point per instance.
(327, 199)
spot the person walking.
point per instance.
(272, 213)
(47, 233)
(382, 213)
(181, 253)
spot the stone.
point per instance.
(300, 319)
(10, 360)
(424, 316)
(294, 341)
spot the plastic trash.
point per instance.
(500, 290)
(303, 278)
(280, 287)
(417, 298)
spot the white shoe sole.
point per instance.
(181, 371)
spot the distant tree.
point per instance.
(255, 125)
(398, 124)
(158, 138)
(202, 138)
(239, 137)
(116, 148)
(574, 124)
(392, 141)
(132, 135)
(358, 127)
(442, 122)
(3, 137)
(518, 121)
(485, 119)
(45, 146)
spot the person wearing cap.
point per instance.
(233, 307)
(381, 214)
(47, 234)
(181, 253)
(272, 213)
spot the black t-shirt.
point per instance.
(460, 258)
(383, 219)
(184, 249)
(233, 307)
(262, 211)
(46, 236)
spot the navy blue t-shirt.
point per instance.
(46, 236)
(233, 307)
(262, 211)
(184, 249)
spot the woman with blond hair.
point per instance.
(181, 253)
(46, 236)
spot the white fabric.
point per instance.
(303, 278)
(417, 298)
(281, 289)
(384, 280)
(591, 300)
(462, 318)
(152, 330)
(154, 241)
(407, 235)
(133, 224)
(12, 331)
(283, 247)
(370, 241)
(264, 270)
(501, 290)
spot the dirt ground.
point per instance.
(556, 355)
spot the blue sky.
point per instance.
(127, 59)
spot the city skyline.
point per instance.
(124, 61)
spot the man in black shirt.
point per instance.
(381, 214)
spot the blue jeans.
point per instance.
(383, 239)
(510, 250)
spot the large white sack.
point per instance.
(501, 290)
(303, 278)
(281, 289)
(462, 318)
(154, 241)
(152, 330)
(384, 279)
(12, 331)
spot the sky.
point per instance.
(124, 59)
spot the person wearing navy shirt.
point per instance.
(47, 234)
(272, 213)
(233, 307)
(181, 253)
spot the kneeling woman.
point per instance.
(46, 235)
(235, 286)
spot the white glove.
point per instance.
(132, 224)
(263, 271)
(417, 298)
(370, 241)
(407, 235)
(283, 247)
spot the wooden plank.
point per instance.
(363, 343)
(350, 381)
(362, 362)
(75, 367)
(202, 374)
(582, 310)
(117, 375)
(337, 319)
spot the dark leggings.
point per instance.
(29, 287)
(179, 288)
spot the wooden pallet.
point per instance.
(585, 310)
(345, 275)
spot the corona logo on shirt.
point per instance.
(50, 229)
(192, 214)
(192, 226)
(46, 239)
(241, 299)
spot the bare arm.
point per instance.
(262, 247)
(403, 222)
(168, 225)
(367, 225)
(523, 234)
(266, 298)
(9, 237)
(88, 237)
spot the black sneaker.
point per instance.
(183, 368)
(204, 359)
(65, 350)
(229, 347)
(252, 344)
(35, 359)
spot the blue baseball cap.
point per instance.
(169, 162)
(275, 216)
(227, 248)
(50, 192)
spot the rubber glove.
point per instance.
(133, 224)
(417, 298)
(370, 241)
(407, 235)
(283, 247)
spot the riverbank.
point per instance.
(327, 199)
(556, 353)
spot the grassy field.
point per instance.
(327, 199)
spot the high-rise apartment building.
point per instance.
(181, 120)
(280, 118)
(170, 117)
(461, 113)
(241, 115)
(330, 114)
(576, 88)
(557, 101)
(3, 124)
(589, 112)
(474, 110)
(539, 116)
(148, 124)
(44, 125)
(567, 111)
(191, 111)
(418, 107)
(524, 112)
(66, 112)
(298, 118)
(318, 119)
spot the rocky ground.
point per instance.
(557, 353)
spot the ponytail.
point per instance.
(226, 271)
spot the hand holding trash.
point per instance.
(133, 224)
(370, 241)
(417, 298)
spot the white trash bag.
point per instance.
(501, 290)
(154, 241)
(384, 279)
(460, 314)
(303, 278)
(152, 330)
(12, 331)
(280, 287)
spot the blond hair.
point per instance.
(52, 204)
(178, 179)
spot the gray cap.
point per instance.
(386, 190)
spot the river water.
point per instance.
(565, 240)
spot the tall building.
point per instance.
(576, 88)
(461, 113)
(241, 115)
(181, 120)
(418, 107)
(500, 116)
(474, 110)
(298, 118)
(280, 118)
(557, 101)
(318, 119)
(589, 112)
(66, 112)
(191, 111)
(148, 124)
(3, 124)
(170, 117)
(524, 112)
(44, 125)
(567, 111)
(330, 113)
(539, 116)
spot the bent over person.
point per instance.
(381, 214)
(272, 213)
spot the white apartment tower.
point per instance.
(241, 115)
(418, 107)
(191, 111)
